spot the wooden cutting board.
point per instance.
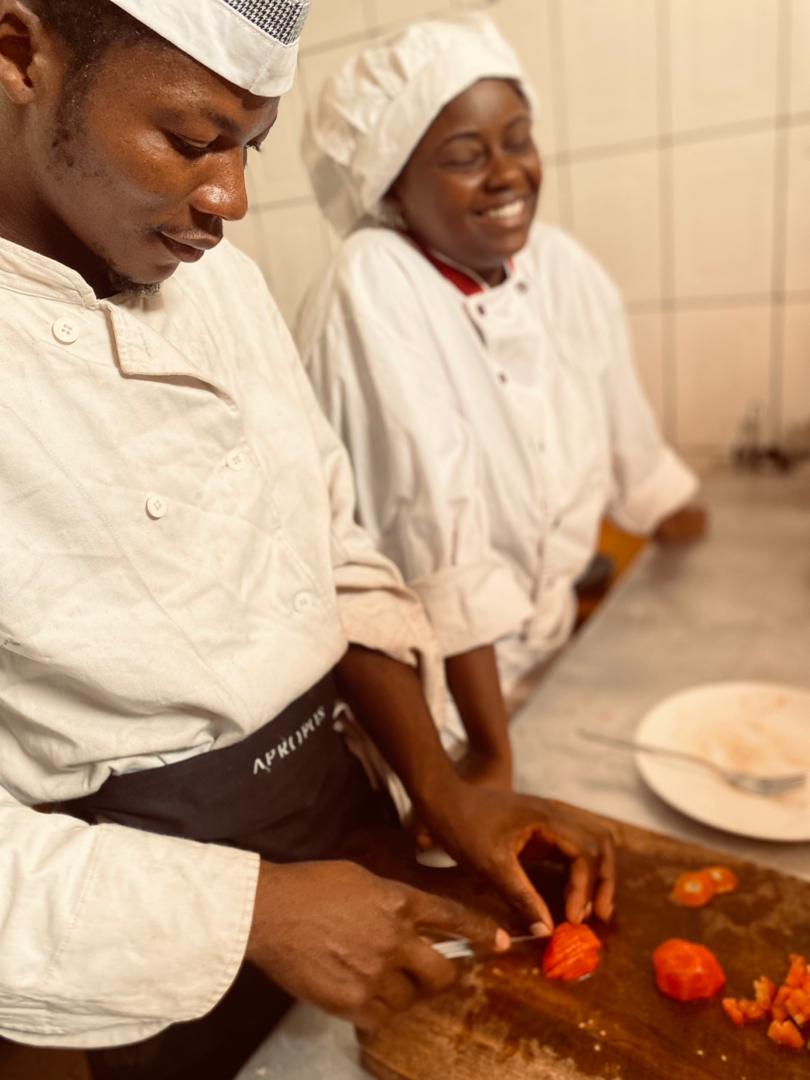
(504, 1019)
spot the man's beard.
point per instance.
(123, 285)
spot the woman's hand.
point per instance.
(480, 770)
(683, 527)
(486, 831)
(487, 770)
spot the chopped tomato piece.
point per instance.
(686, 971)
(694, 889)
(798, 971)
(731, 1007)
(764, 991)
(798, 1005)
(779, 1005)
(785, 1033)
(742, 1011)
(572, 953)
(725, 880)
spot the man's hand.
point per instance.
(353, 943)
(486, 830)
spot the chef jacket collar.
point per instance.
(140, 350)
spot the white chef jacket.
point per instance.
(489, 433)
(178, 562)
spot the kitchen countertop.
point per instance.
(735, 606)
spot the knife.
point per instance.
(462, 948)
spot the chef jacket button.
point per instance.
(504, 378)
(65, 330)
(303, 602)
(156, 507)
(236, 460)
(522, 287)
(481, 309)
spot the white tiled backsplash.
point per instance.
(676, 139)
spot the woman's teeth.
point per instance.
(505, 213)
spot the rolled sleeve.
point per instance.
(109, 934)
(650, 480)
(668, 486)
(470, 606)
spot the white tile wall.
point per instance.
(723, 228)
(722, 370)
(296, 250)
(724, 61)
(799, 33)
(610, 70)
(616, 212)
(334, 19)
(797, 254)
(795, 374)
(659, 124)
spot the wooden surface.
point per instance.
(503, 1019)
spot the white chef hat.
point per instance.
(251, 43)
(374, 111)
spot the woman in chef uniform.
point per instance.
(475, 363)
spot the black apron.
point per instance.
(292, 792)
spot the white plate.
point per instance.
(760, 727)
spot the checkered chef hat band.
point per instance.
(280, 19)
(252, 43)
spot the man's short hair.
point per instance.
(89, 28)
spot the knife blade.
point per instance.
(462, 948)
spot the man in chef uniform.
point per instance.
(182, 586)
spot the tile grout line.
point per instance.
(717, 301)
(780, 222)
(669, 340)
(556, 36)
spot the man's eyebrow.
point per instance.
(218, 119)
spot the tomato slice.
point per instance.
(724, 880)
(687, 971)
(694, 889)
(572, 953)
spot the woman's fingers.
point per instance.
(606, 887)
(579, 894)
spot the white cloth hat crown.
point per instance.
(251, 43)
(373, 112)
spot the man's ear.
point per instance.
(22, 41)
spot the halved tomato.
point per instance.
(693, 889)
(687, 971)
(572, 953)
